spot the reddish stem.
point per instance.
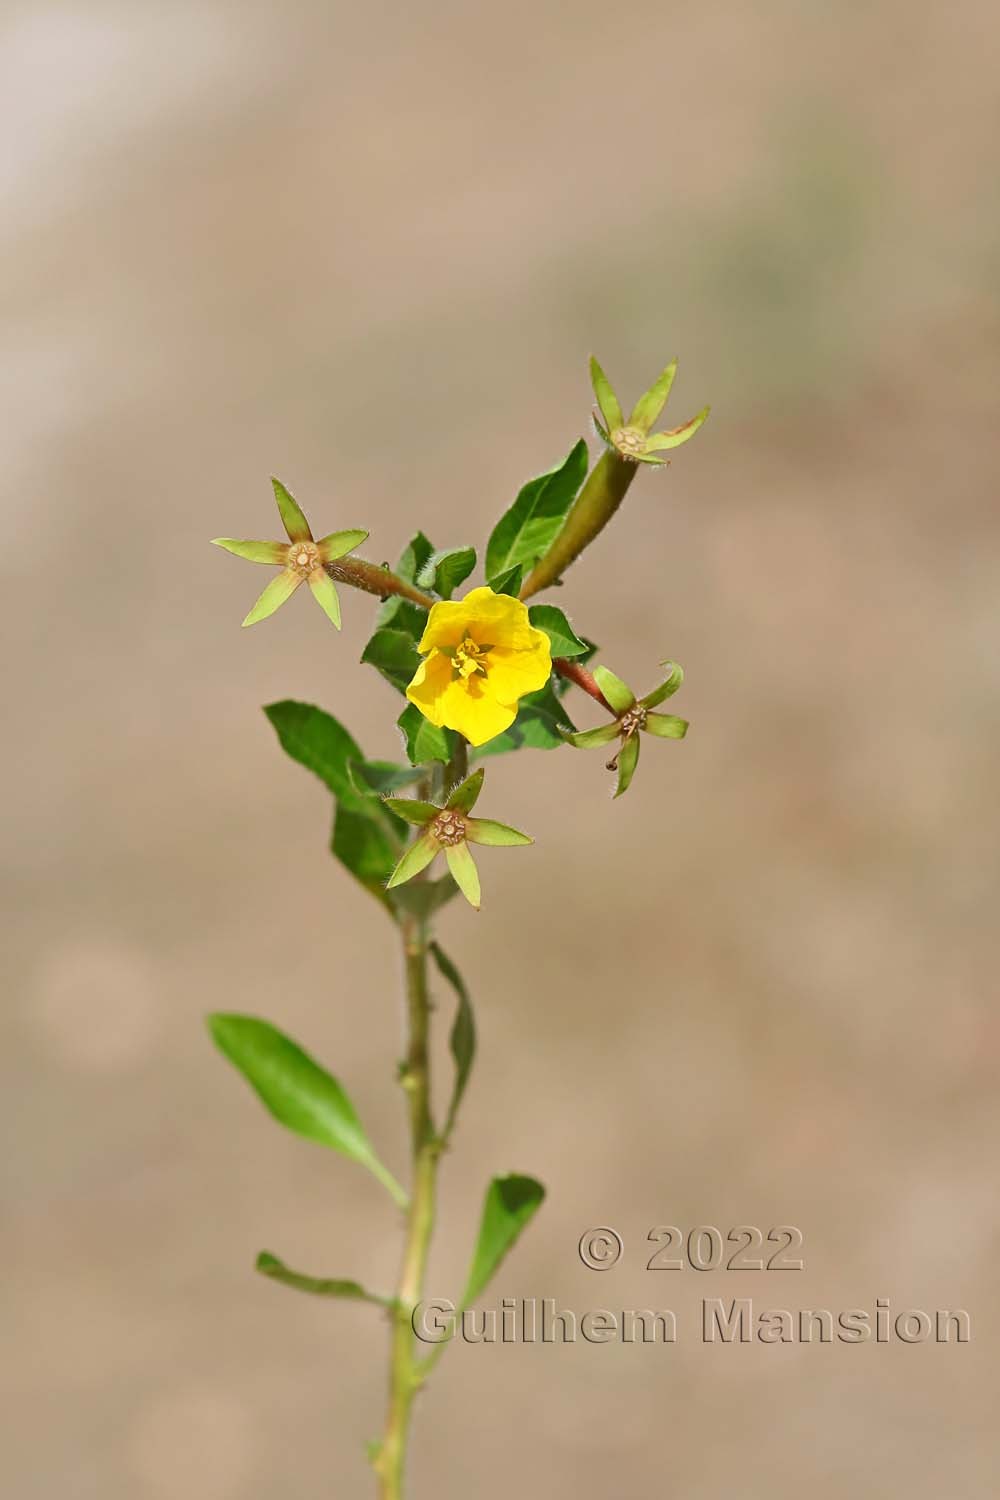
(576, 672)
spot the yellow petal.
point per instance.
(472, 709)
(487, 618)
(429, 683)
(511, 674)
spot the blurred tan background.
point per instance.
(370, 249)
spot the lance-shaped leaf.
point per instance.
(509, 1205)
(563, 639)
(649, 405)
(373, 777)
(425, 741)
(401, 613)
(607, 401)
(299, 1093)
(320, 1286)
(508, 581)
(530, 526)
(462, 1038)
(444, 571)
(422, 898)
(393, 653)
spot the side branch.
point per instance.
(375, 580)
(576, 672)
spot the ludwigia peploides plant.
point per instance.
(483, 674)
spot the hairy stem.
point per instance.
(576, 672)
(404, 1376)
(590, 512)
(375, 580)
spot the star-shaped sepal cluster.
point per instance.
(450, 829)
(634, 716)
(632, 440)
(301, 559)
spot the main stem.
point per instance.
(404, 1379)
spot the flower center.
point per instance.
(630, 441)
(634, 719)
(468, 659)
(449, 827)
(303, 557)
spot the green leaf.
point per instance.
(317, 741)
(366, 837)
(444, 571)
(563, 639)
(394, 654)
(530, 526)
(321, 1286)
(297, 1091)
(422, 898)
(509, 581)
(540, 718)
(367, 845)
(377, 776)
(401, 614)
(510, 1203)
(462, 1038)
(424, 740)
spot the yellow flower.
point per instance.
(484, 654)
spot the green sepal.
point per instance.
(465, 795)
(607, 401)
(338, 543)
(324, 591)
(666, 726)
(649, 405)
(509, 1205)
(278, 592)
(530, 526)
(416, 858)
(497, 835)
(394, 654)
(541, 720)
(461, 1039)
(590, 739)
(445, 570)
(273, 553)
(464, 872)
(320, 1286)
(619, 694)
(628, 759)
(563, 639)
(299, 1093)
(509, 581)
(375, 777)
(417, 813)
(425, 741)
(667, 687)
(675, 436)
(294, 522)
